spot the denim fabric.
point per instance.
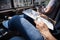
(25, 28)
(16, 38)
(5, 23)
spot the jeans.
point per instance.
(26, 29)
(16, 38)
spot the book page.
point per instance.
(34, 15)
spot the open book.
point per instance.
(34, 15)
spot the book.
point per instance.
(35, 15)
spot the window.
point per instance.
(22, 3)
(5, 4)
(45, 3)
(37, 2)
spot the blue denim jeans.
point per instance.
(26, 29)
(16, 38)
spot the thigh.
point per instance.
(30, 30)
(16, 38)
(25, 28)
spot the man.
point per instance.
(46, 32)
(26, 29)
(29, 31)
(53, 9)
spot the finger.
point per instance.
(44, 16)
(41, 25)
(36, 23)
(45, 26)
(38, 27)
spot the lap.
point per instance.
(25, 27)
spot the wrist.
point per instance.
(50, 37)
(47, 35)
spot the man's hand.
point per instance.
(42, 27)
(47, 18)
